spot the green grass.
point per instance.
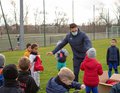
(49, 62)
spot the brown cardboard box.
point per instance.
(103, 87)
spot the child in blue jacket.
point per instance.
(63, 82)
(113, 57)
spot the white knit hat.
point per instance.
(91, 53)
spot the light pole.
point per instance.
(73, 11)
(21, 26)
(44, 22)
(93, 22)
(108, 24)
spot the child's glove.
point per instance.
(82, 86)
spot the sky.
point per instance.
(83, 9)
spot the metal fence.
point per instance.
(51, 39)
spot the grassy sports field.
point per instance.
(49, 62)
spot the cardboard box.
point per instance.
(103, 87)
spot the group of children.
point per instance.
(91, 67)
(25, 79)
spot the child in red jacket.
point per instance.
(92, 69)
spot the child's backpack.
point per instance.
(61, 56)
(1, 77)
(38, 64)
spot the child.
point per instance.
(27, 83)
(63, 82)
(92, 68)
(28, 50)
(33, 55)
(2, 62)
(112, 57)
(61, 56)
(115, 88)
(11, 85)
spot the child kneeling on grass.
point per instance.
(63, 82)
(92, 69)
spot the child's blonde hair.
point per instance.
(24, 63)
(66, 73)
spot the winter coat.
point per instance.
(79, 44)
(113, 55)
(27, 53)
(91, 69)
(34, 74)
(27, 83)
(11, 86)
(56, 86)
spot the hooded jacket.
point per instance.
(11, 86)
(27, 83)
(56, 86)
(92, 68)
(79, 44)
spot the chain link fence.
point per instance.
(51, 39)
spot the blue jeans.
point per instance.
(93, 89)
(114, 66)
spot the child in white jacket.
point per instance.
(32, 57)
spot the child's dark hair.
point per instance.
(24, 63)
(114, 40)
(33, 46)
(28, 44)
(10, 72)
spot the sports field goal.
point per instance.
(115, 31)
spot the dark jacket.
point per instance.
(27, 83)
(113, 55)
(79, 44)
(92, 68)
(115, 88)
(10, 86)
(56, 86)
(1, 77)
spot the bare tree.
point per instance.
(117, 11)
(60, 18)
(37, 15)
(26, 17)
(26, 14)
(13, 3)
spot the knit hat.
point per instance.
(2, 60)
(91, 53)
(10, 72)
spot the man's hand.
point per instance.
(50, 53)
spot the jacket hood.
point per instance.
(90, 63)
(53, 87)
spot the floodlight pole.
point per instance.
(44, 22)
(93, 22)
(6, 26)
(73, 11)
(21, 26)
